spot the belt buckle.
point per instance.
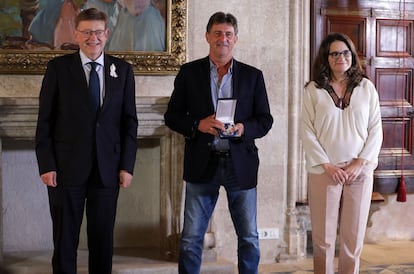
(223, 154)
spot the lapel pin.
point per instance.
(113, 71)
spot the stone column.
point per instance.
(172, 148)
(295, 234)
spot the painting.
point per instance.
(149, 34)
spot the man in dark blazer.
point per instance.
(210, 161)
(86, 152)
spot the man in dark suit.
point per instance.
(86, 143)
(211, 161)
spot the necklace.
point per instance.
(343, 101)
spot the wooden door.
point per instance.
(382, 32)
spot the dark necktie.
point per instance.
(94, 86)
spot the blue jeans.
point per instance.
(200, 201)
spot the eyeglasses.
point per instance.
(88, 33)
(335, 54)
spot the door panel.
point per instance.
(382, 32)
(354, 27)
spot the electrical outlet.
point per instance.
(268, 233)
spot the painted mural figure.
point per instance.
(147, 24)
(53, 25)
(135, 25)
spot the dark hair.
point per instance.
(322, 72)
(91, 15)
(222, 18)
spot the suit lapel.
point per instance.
(79, 78)
(235, 81)
(236, 85)
(206, 83)
(77, 71)
(110, 83)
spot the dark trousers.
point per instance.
(67, 205)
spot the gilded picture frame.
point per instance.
(21, 61)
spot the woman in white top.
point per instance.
(341, 133)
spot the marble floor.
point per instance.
(384, 258)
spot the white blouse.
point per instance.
(332, 135)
